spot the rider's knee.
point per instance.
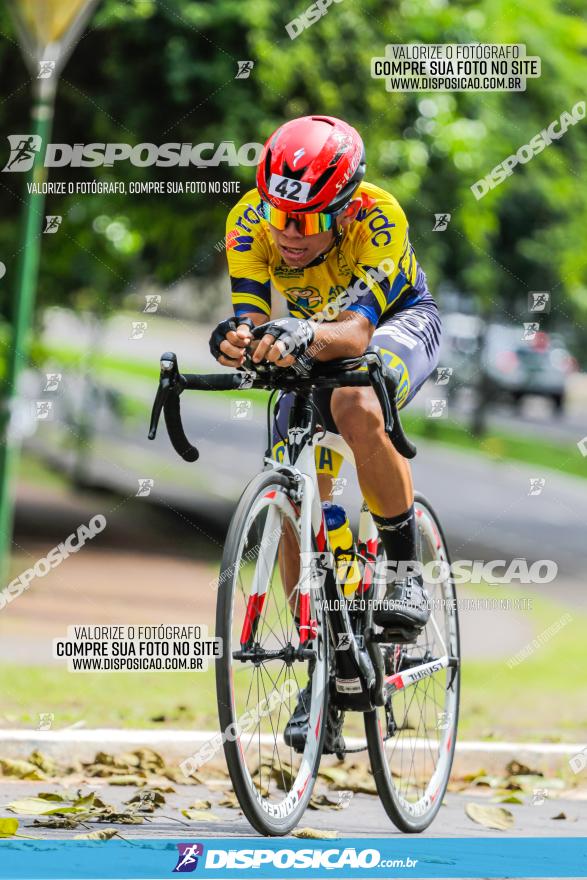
(357, 414)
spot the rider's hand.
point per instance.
(229, 341)
(282, 341)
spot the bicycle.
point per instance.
(279, 627)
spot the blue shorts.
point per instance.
(409, 341)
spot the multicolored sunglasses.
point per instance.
(307, 224)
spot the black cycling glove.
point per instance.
(295, 334)
(219, 333)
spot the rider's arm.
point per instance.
(384, 268)
(247, 258)
(248, 261)
(348, 336)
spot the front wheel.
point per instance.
(263, 666)
(411, 740)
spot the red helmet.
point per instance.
(323, 154)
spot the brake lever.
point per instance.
(168, 372)
(384, 382)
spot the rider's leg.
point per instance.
(409, 343)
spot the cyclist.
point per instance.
(337, 249)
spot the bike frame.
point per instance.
(356, 668)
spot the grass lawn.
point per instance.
(544, 697)
(496, 444)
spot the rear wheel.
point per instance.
(263, 666)
(411, 740)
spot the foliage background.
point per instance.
(160, 72)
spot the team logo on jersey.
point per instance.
(305, 297)
(235, 240)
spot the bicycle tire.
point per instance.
(399, 812)
(251, 805)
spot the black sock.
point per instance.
(398, 535)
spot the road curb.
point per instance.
(175, 745)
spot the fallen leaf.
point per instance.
(325, 802)
(21, 769)
(200, 816)
(507, 799)
(559, 816)
(103, 834)
(8, 827)
(491, 781)
(147, 797)
(127, 779)
(333, 774)
(315, 834)
(229, 800)
(529, 783)
(33, 806)
(470, 777)
(200, 805)
(51, 796)
(490, 817)
(125, 817)
(515, 768)
(83, 802)
(67, 822)
(44, 763)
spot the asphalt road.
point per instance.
(491, 509)
(364, 817)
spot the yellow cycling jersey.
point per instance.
(372, 264)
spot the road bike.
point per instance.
(285, 622)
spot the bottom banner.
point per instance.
(225, 858)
